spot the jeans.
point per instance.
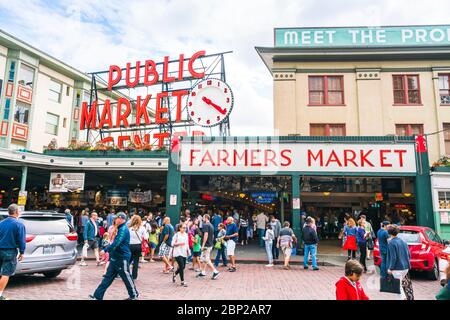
(181, 261)
(363, 254)
(269, 251)
(275, 250)
(116, 267)
(135, 258)
(310, 248)
(260, 237)
(221, 253)
(383, 267)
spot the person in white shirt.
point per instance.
(261, 220)
(268, 239)
(180, 244)
(137, 235)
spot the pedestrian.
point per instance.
(349, 287)
(222, 252)
(181, 251)
(361, 240)
(216, 220)
(165, 250)
(196, 248)
(261, 220)
(243, 225)
(251, 225)
(69, 217)
(138, 235)
(444, 293)
(12, 245)
(153, 240)
(399, 262)
(206, 248)
(310, 241)
(350, 244)
(268, 239)
(119, 262)
(286, 243)
(110, 218)
(91, 237)
(370, 235)
(231, 238)
(383, 237)
(106, 241)
(276, 227)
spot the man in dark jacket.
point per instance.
(91, 236)
(12, 239)
(383, 236)
(310, 240)
(119, 262)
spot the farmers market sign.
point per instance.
(363, 36)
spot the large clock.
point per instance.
(210, 102)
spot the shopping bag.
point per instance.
(84, 253)
(390, 284)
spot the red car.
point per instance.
(425, 247)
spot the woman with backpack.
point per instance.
(138, 235)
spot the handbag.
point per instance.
(145, 249)
(390, 284)
(370, 244)
(218, 244)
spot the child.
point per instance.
(348, 287)
(268, 239)
(196, 240)
(153, 240)
(105, 242)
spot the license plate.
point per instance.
(49, 249)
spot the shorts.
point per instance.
(165, 250)
(231, 246)
(152, 245)
(196, 253)
(206, 255)
(287, 251)
(8, 262)
(93, 244)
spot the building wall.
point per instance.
(440, 182)
(369, 108)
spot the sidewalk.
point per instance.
(329, 254)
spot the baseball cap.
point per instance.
(122, 215)
(386, 223)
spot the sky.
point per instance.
(90, 35)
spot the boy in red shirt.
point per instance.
(348, 287)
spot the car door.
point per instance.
(435, 242)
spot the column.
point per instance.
(424, 202)
(173, 189)
(23, 181)
(296, 209)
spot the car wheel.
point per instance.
(52, 274)
(434, 274)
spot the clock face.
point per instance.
(210, 102)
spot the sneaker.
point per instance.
(215, 275)
(316, 269)
(144, 261)
(232, 269)
(83, 264)
(197, 270)
(151, 260)
(91, 297)
(3, 298)
(306, 268)
(129, 298)
(269, 265)
(184, 284)
(201, 275)
(285, 267)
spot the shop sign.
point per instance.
(263, 197)
(173, 199)
(297, 157)
(22, 200)
(66, 182)
(140, 197)
(296, 203)
(117, 197)
(362, 37)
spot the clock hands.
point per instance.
(215, 106)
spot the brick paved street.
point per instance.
(252, 281)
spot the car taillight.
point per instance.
(30, 237)
(72, 236)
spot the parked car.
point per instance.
(425, 246)
(51, 243)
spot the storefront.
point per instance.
(440, 182)
(302, 159)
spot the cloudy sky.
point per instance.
(92, 34)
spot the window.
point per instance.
(68, 91)
(21, 113)
(444, 88)
(55, 91)
(26, 75)
(447, 138)
(326, 90)
(75, 130)
(444, 200)
(408, 129)
(51, 125)
(406, 89)
(327, 130)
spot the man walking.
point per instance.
(12, 239)
(91, 237)
(383, 237)
(276, 227)
(310, 240)
(261, 220)
(207, 245)
(119, 262)
(286, 243)
(216, 220)
(165, 250)
(231, 237)
(69, 216)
